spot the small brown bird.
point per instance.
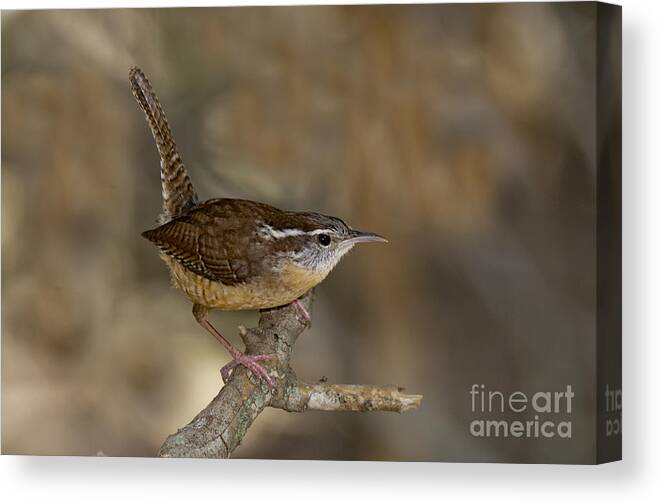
(234, 254)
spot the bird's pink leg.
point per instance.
(238, 357)
(303, 311)
(226, 370)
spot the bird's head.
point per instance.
(314, 241)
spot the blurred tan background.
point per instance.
(463, 133)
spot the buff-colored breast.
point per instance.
(266, 291)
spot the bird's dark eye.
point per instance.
(324, 239)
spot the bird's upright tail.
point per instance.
(178, 192)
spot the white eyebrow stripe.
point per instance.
(285, 233)
(269, 233)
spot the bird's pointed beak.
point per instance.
(363, 237)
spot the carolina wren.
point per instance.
(235, 254)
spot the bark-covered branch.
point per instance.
(219, 428)
(336, 397)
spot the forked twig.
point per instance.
(219, 428)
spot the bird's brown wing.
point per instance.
(206, 246)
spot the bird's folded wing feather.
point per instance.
(200, 251)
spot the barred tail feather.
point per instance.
(178, 192)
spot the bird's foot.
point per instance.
(250, 362)
(304, 312)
